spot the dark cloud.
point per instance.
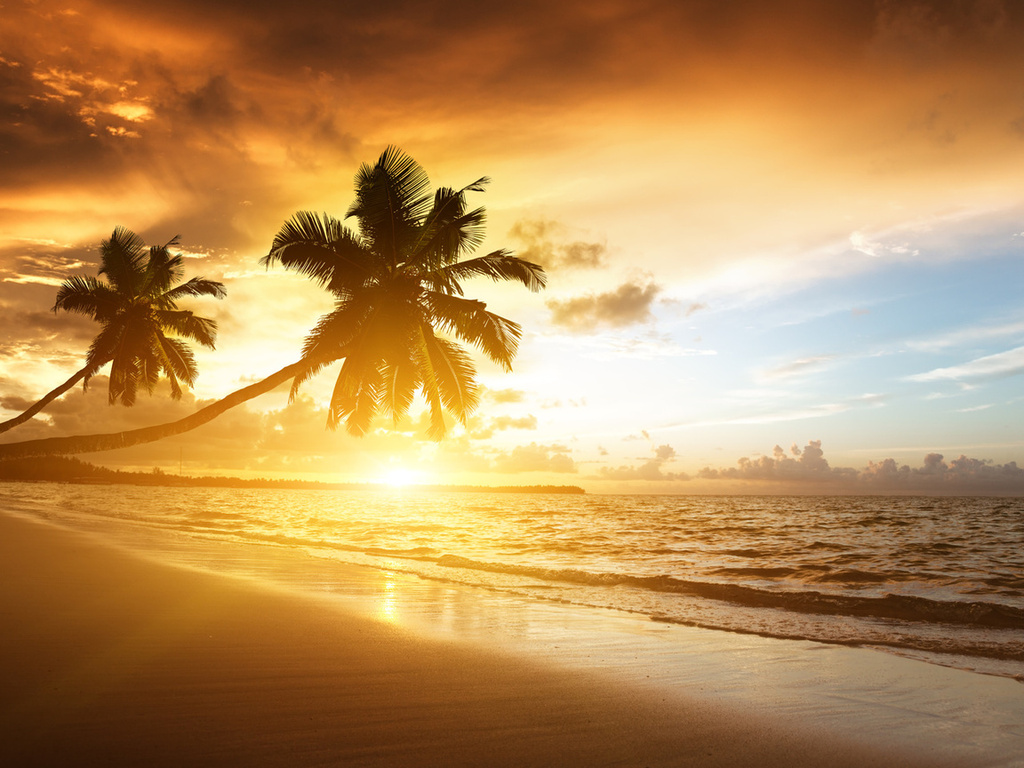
(48, 326)
(630, 303)
(30, 272)
(14, 403)
(926, 32)
(540, 244)
(41, 126)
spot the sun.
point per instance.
(400, 477)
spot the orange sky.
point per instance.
(766, 224)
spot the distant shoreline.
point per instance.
(61, 469)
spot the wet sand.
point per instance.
(112, 659)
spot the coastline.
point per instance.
(116, 657)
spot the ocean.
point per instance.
(935, 579)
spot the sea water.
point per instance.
(938, 579)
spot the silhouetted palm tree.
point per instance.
(397, 281)
(137, 307)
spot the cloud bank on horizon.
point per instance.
(761, 221)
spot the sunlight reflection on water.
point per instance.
(940, 579)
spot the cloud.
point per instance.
(876, 249)
(488, 427)
(505, 395)
(806, 464)
(46, 263)
(537, 237)
(809, 468)
(36, 327)
(961, 475)
(649, 347)
(797, 367)
(927, 31)
(1000, 365)
(968, 336)
(652, 469)
(630, 303)
(535, 458)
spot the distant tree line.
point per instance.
(64, 469)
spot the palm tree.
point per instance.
(397, 283)
(136, 309)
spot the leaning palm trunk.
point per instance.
(111, 441)
(44, 401)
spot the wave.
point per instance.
(889, 606)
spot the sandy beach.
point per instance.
(112, 659)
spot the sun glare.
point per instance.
(400, 477)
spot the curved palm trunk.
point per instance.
(114, 440)
(43, 402)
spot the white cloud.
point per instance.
(797, 367)
(610, 346)
(968, 335)
(876, 249)
(1009, 363)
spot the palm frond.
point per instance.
(310, 228)
(448, 374)
(106, 345)
(497, 265)
(125, 376)
(150, 368)
(399, 380)
(163, 269)
(86, 295)
(336, 329)
(196, 286)
(177, 363)
(428, 385)
(327, 342)
(392, 198)
(188, 325)
(468, 319)
(321, 248)
(122, 260)
(446, 238)
(355, 394)
(449, 205)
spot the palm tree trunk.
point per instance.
(43, 402)
(114, 440)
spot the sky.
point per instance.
(784, 240)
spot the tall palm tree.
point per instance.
(397, 283)
(137, 307)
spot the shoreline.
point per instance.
(116, 657)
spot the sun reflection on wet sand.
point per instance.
(388, 606)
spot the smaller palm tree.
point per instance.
(137, 307)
